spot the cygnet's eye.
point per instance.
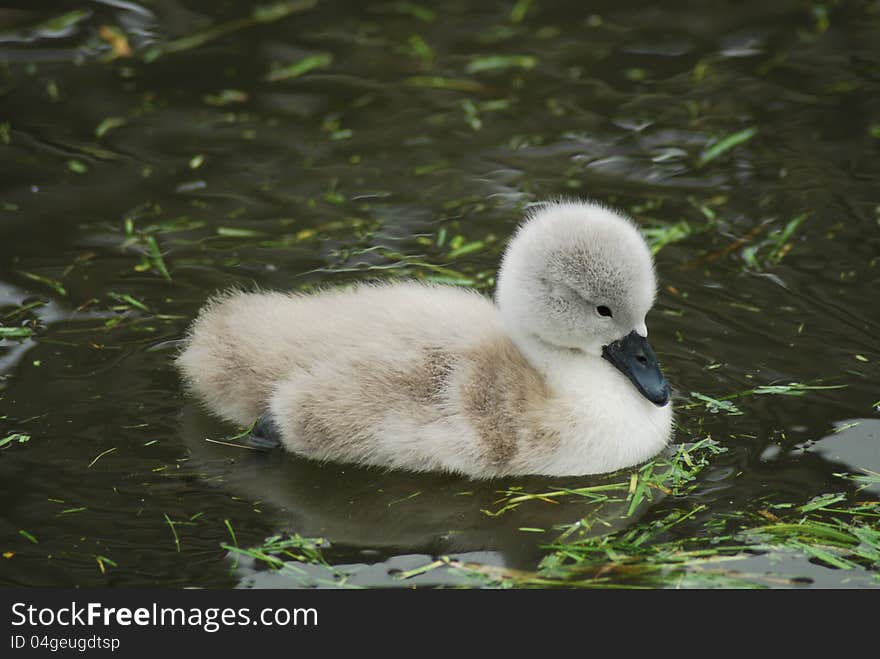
(603, 311)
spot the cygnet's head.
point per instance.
(579, 276)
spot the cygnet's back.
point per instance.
(371, 374)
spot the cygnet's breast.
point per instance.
(605, 423)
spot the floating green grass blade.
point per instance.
(300, 67)
(261, 14)
(715, 405)
(30, 537)
(54, 284)
(238, 232)
(99, 456)
(501, 63)
(726, 144)
(129, 301)
(16, 437)
(171, 525)
(441, 82)
(155, 256)
(109, 124)
(823, 501)
(15, 332)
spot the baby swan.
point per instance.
(557, 379)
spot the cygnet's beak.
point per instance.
(632, 355)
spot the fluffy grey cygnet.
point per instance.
(555, 378)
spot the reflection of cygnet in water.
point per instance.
(557, 379)
(400, 512)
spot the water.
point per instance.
(410, 148)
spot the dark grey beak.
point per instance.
(632, 356)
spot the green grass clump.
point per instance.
(679, 545)
(277, 550)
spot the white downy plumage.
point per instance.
(428, 377)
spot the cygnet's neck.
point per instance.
(513, 309)
(547, 359)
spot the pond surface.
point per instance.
(156, 152)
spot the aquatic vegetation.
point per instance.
(300, 67)
(726, 144)
(145, 241)
(54, 284)
(290, 556)
(656, 552)
(15, 438)
(774, 247)
(267, 13)
(15, 332)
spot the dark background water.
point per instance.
(421, 129)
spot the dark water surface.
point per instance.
(141, 173)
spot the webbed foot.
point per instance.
(265, 435)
